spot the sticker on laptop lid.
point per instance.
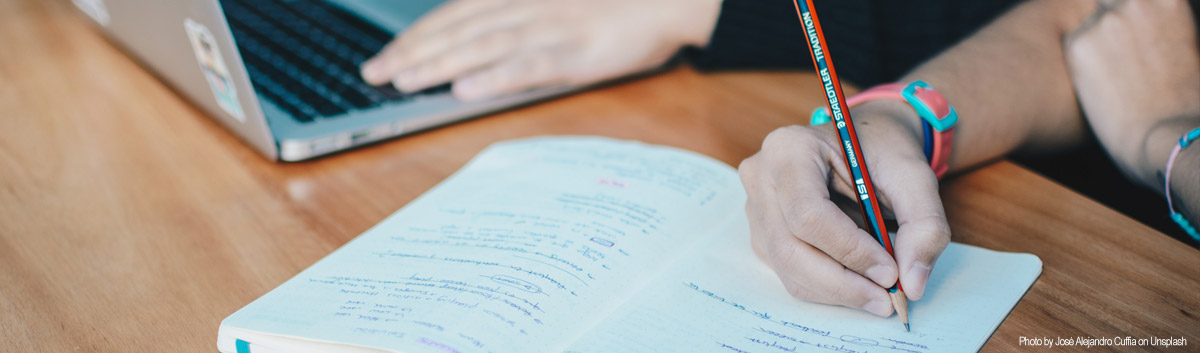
(94, 9)
(212, 64)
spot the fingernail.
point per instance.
(468, 89)
(406, 78)
(373, 71)
(882, 275)
(918, 276)
(879, 307)
(469, 84)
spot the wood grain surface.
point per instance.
(131, 222)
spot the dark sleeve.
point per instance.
(911, 32)
(1195, 5)
(767, 35)
(871, 41)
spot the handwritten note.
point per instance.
(723, 299)
(532, 241)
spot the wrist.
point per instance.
(892, 121)
(1184, 188)
(1148, 165)
(902, 119)
(925, 116)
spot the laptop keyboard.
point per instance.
(304, 56)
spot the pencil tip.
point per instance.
(900, 301)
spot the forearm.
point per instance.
(1136, 71)
(1009, 84)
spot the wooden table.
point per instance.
(129, 221)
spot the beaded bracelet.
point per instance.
(1176, 216)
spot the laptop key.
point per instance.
(336, 85)
(288, 78)
(341, 52)
(319, 91)
(281, 97)
(365, 38)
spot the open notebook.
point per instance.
(586, 244)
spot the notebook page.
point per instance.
(523, 249)
(724, 299)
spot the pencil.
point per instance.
(855, 161)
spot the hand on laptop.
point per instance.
(494, 47)
(816, 248)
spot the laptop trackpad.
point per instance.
(392, 15)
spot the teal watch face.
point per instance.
(923, 109)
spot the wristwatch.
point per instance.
(938, 117)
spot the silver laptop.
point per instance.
(283, 74)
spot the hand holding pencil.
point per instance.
(817, 250)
